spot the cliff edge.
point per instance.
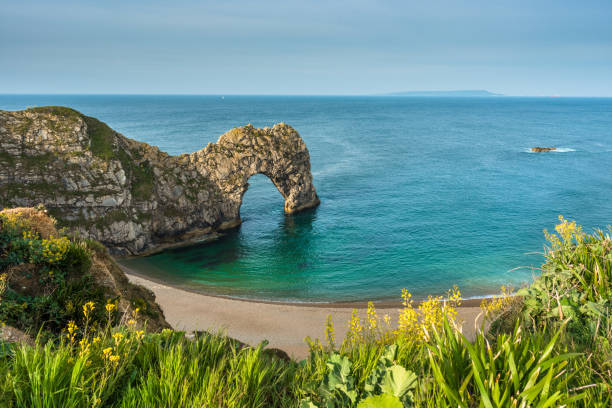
(133, 197)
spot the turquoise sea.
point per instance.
(416, 193)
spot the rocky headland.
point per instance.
(131, 196)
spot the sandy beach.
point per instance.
(285, 326)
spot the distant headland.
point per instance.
(460, 93)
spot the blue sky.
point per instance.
(516, 47)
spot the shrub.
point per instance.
(517, 370)
(388, 382)
(46, 275)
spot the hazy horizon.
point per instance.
(359, 47)
(311, 94)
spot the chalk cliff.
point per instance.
(133, 197)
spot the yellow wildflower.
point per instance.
(372, 316)
(408, 317)
(355, 328)
(87, 308)
(84, 344)
(109, 309)
(329, 332)
(406, 297)
(568, 231)
(118, 337)
(432, 312)
(54, 249)
(114, 359)
(493, 306)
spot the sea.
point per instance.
(420, 193)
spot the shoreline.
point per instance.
(473, 301)
(284, 325)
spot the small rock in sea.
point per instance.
(542, 149)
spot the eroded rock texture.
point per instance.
(133, 197)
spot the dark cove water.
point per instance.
(417, 193)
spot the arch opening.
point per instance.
(260, 196)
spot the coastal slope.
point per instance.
(133, 197)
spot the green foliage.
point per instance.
(575, 291)
(517, 370)
(175, 372)
(56, 110)
(103, 145)
(45, 377)
(381, 401)
(142, 178)
(340, 389)
(50, 279)
(157, 370)
(576, 282)
(102, 138)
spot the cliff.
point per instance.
(133, 197)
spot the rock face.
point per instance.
(542, 149)
(133, 197)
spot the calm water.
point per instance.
(420, 193)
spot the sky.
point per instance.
(352, 47)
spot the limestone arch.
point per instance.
(279, 153)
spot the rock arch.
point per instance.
(133, 197)
(279, 153)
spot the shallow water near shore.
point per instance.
(416, 193)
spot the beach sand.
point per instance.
(285, 326)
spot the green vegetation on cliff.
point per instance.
(102, 138)
(103, 144)
(49, 276)
(548, 347)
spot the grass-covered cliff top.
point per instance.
(548, 347)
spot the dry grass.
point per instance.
(35, 219)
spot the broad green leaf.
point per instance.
(388, 357)
(397, 381)
(381, 401)
(307, 403)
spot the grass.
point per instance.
(538, 357)
(56, 110)
(102, 138)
